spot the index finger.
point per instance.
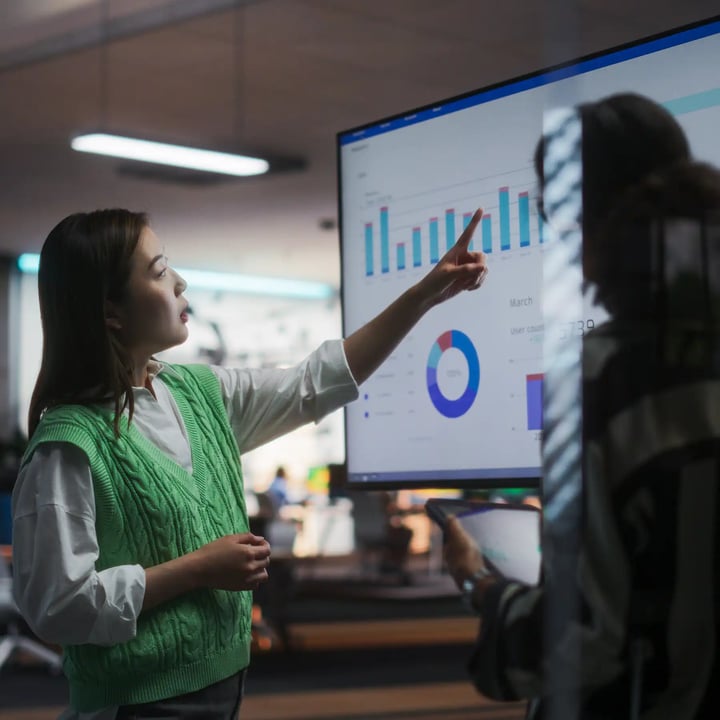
(452, 524)
(466, 236)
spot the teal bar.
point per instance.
(368, 249)
(401, 256)
(449, 228)
(384, 240)
(486, 228)
(417, 249)
(504, 193)
(524, 218)
(434, 242)
(693, 103)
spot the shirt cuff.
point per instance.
(333, 375)
(124, 594)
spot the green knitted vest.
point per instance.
(149, 510)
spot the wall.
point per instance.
(8, 346)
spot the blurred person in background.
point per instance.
(278, 489)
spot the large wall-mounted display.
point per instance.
(460, 401)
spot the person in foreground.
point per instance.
(131, 545)
(647, 573)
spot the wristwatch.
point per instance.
(470, 584)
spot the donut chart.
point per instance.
(453, 408)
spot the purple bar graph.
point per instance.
(534, 395)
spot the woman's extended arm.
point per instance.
(460, 269)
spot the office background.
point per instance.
(275, 77)
(267, 76)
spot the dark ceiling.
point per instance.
(281, 76)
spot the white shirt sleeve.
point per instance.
(264, 404)
(56, 586)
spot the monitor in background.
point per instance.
(459, 403)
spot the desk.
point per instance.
(6, 552)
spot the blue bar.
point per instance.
(534, 393)
(417, 250)
(449, 228)
(434, 242)
(486, 227)
(368, 249)
(524, 217)
(401, 256)
(384, 240)
(504, 218)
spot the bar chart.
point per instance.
(507, 225)
(534, 395)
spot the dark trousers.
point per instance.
(220, 701)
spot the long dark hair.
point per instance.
(84, 263)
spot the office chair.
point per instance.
(9, 618)
(383, 546)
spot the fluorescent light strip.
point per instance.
(256, 284)
(28, 263)
(165, 154)
(230, 282)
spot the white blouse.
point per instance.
(60, 594)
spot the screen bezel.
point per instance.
(586, 63)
